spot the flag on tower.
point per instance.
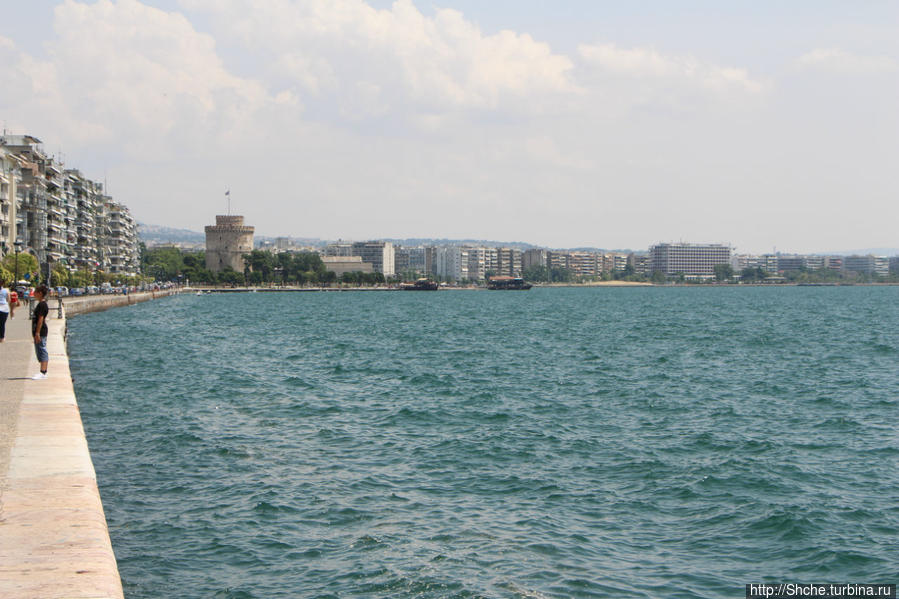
(227, 193)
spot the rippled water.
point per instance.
(651, 442)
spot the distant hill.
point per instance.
(158, 234)
(866, 251)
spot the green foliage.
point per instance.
(162, 264)
(723, 272)
(538, 274)
(60, 276)
(27, 263)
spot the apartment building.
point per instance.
(585, 264)
(533, 257)
(869, 265)
(509, 262)
(410, 260)
(9, 202)
(60, 216)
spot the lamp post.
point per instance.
(18, 245)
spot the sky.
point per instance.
(762, 124)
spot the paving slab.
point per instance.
(54, 541)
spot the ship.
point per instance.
(508, 283)
(420, 285)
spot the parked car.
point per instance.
(62, 291)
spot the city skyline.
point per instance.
(576, 125)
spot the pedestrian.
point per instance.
(39, 329)
(6, 309)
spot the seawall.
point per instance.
(97, 303)
(54, 541)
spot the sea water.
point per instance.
(583, 442)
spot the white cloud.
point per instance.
(444, 62)
(649, 64)
(128, 73)
(835, 59)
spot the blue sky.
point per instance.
(560, 123)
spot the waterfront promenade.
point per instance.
(54, 541)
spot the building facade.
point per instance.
(693, 260)
(60, 216)
(870, 265)
(226, 243)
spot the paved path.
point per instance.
(16, 357)
(54, 543)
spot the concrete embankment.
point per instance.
(97, 303)
(54, 542)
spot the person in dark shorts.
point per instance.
(40, 331)
(6, 308)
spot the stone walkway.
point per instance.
(16, 356)
(54, 542)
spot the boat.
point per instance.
(508, 283)
(199, 293)
(420, 285)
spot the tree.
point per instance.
(538, 274)
(658, 277)
(229, 276)
(723, 272)
(60, 275)
(27, 263)
(163, 264)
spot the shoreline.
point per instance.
(592, 284)
(54, 538)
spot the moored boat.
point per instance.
(420, 285)
(508, 283)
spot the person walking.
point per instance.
(6, 309)
(40, 331)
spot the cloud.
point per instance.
(837, 60)
(128, 73)
(340, 49)
(649, 64)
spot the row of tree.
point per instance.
(261, 267)
(29, 270)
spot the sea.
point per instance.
(559, 442)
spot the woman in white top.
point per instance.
(6, 309)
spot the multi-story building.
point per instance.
(556, 259)
(120, 244)
(639, 262)
(410, 260)
(478, 260)
(619, 262)
(380, 254)
(338, 249)
(509, 262)
(585, 264)
(691, 259)
(10, 179)
(534, 257)
(869, 264)
(451, 263)
(894, 265)
(60, 216)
